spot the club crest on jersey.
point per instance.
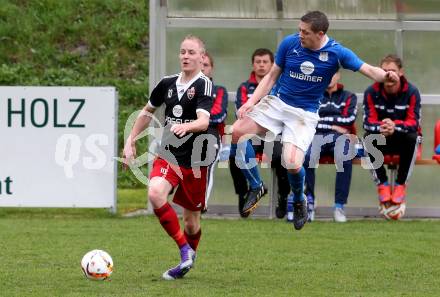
(163, 170)
(323, 56)
(177, 110)
(190, 93)
(170, 93)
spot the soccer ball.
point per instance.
(97, 265)
(393, 211)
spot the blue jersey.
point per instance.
(274, 90)
(306, 73)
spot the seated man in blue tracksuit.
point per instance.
(337, 114)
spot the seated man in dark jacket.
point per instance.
(393, 111)
(337, 113)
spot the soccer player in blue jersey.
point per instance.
(304, 66)
(337, 113)
(246, 176)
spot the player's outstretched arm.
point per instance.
(142, 122)
(201, 124)
(262, 90)
(378, 74)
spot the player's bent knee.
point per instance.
(156, 196)
(237, 132)
(192, 225)
(293, 165)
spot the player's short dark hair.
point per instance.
(392, 58)
(210, 58)
(317, 19)
(262, 52)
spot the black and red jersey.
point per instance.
(403, 108)
(182, 102)
(245, 90)
(339, 109)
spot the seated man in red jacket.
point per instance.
(218, 114)
(248, 180)
(392, 109)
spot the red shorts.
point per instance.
(191, 192)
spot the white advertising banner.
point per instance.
(57, 146)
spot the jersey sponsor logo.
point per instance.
(323, 56)
(307, 67)
(171, 121)
(295, 52)
(190, 93)
(177, 110)
(170, 93)
(302, 76)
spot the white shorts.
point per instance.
(295, 125)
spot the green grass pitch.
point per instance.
(41, 251)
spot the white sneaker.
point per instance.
(311, 211)
(339, 215)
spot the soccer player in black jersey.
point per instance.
(181, 163)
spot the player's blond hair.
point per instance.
(196, 39)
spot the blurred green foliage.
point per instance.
(78, 43)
